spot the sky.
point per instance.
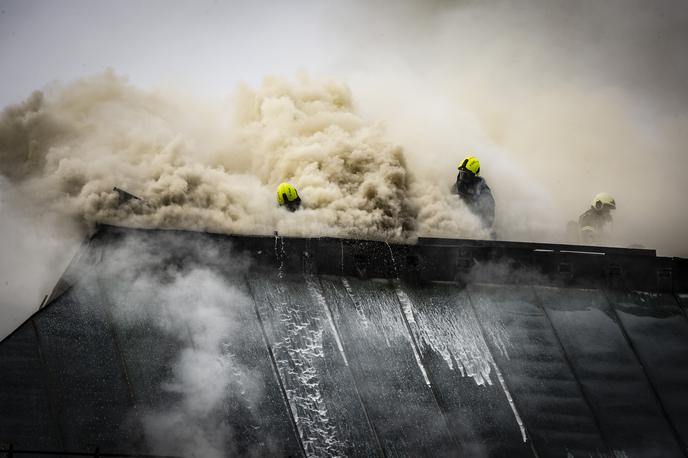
(559, 99)
(210, 45)
(205, 46)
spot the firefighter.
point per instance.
(288, 197)
(473, 190)
(592, 223)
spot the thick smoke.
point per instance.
(559, 100)
(198, 167)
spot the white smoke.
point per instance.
(196, 167)
(35, 248)
(194, 311)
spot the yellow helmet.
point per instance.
(471, 164)
(286, 193)
(603, 200)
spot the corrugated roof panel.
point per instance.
(544, 387)
(167, 342)
(628, 412)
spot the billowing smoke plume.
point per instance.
(560, 100)
(201, 168)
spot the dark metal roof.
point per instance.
(363, 348)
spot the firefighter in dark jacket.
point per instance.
(592, 223)
(473, 190)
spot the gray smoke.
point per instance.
(197, 168)
(560, 100)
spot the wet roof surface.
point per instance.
(179, 343)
